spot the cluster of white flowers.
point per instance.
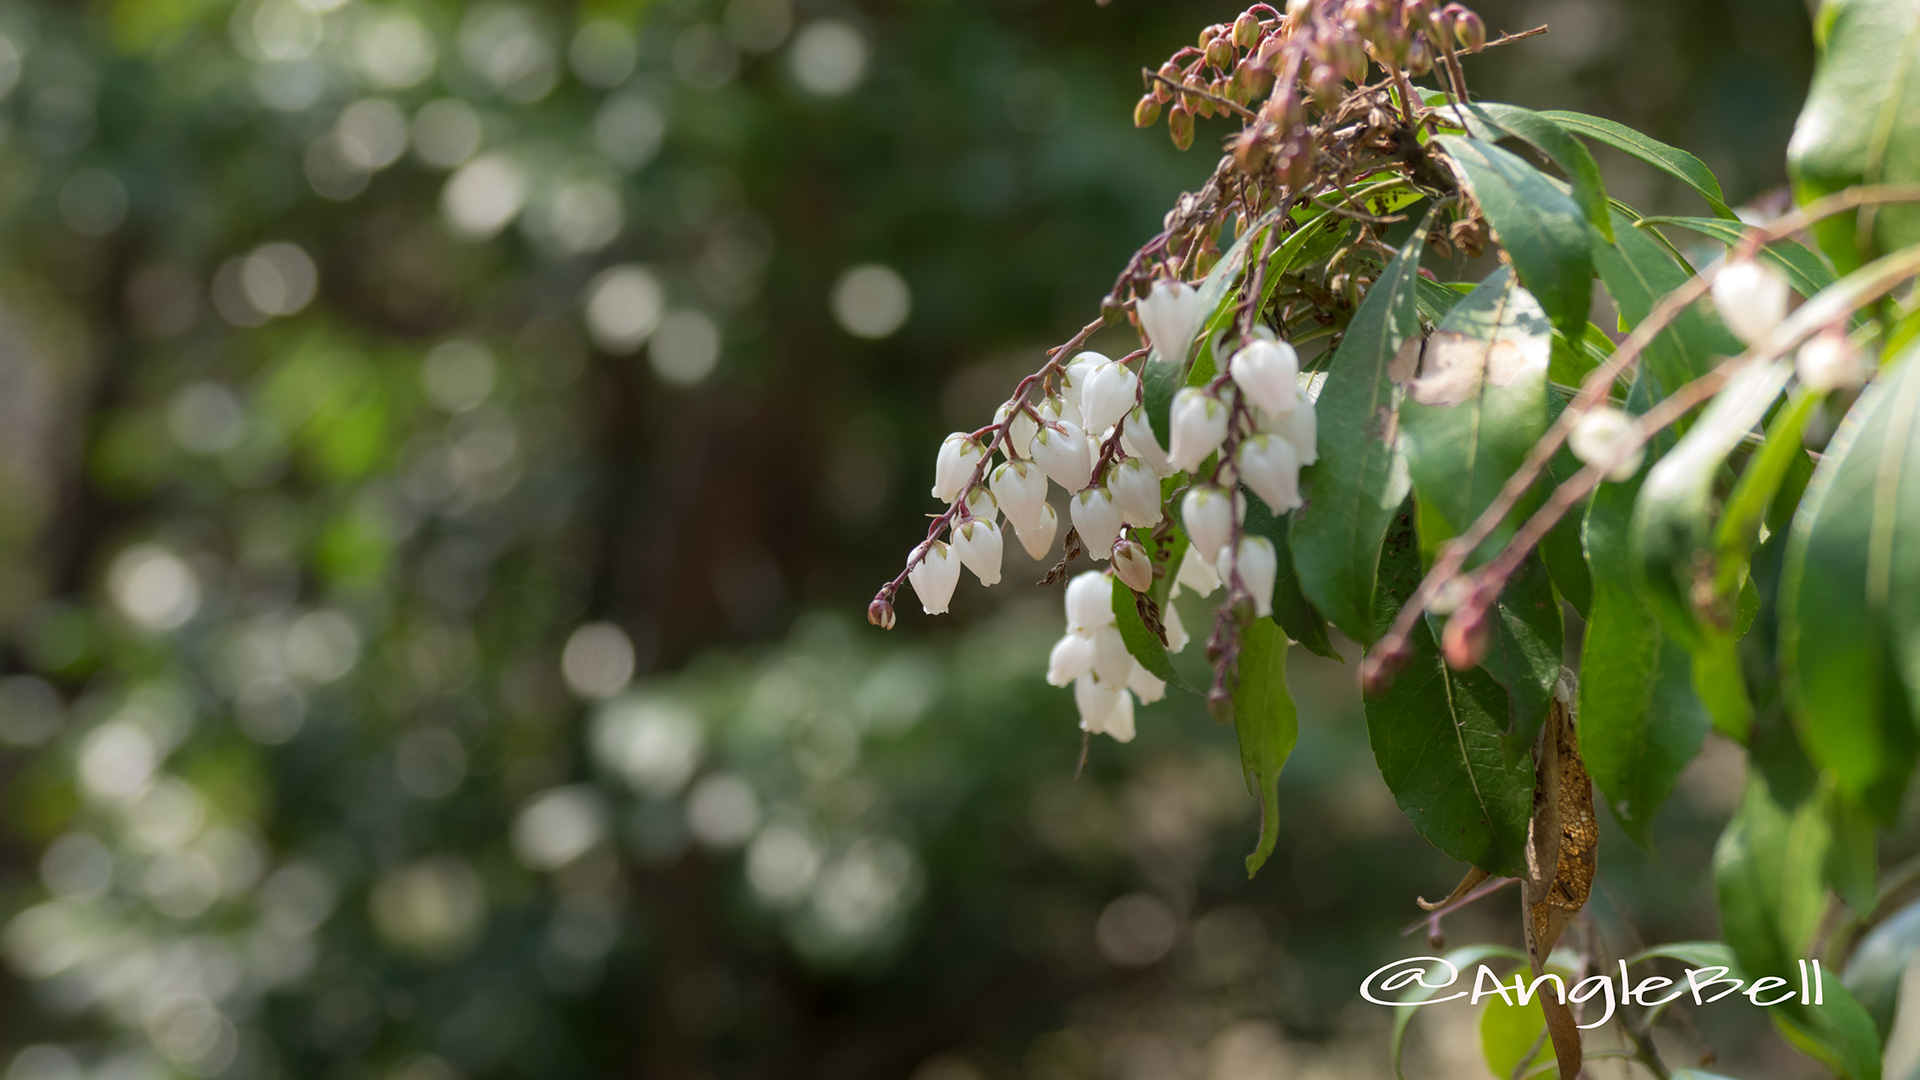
(1090, 435)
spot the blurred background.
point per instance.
(446, 451)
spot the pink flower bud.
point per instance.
(1131, 565)
(880, 614)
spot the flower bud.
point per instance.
(1108, 395)
(1464, 642)
(1089, 602)
(1196, 573)
(1301, 428)
(1095, 701)
(1220, 705)
(953, 466)
(1036, 536)
(1367, 16)
(982, 505)
(1326, 84)
(1060, 449)
(1021, 490)
(1469, 31)
(1176, 632)
(1220, 52)
(1136, 488)
(1207, 34)
(1831, 361)
(880, 614)
(1137, 438)
(978, 545)
(1602, 438)
(1131, 565)
(1268, 373)
(1381, 665)
(1416, 15)
(1145, 685)
(1020, 430)
(1257, 564)
(1246, 30)
(1180, 125)
(1443, 23)
(1170, 314)
(1209, 513)
(1199, 422)
(934, 576)
(1110, 657)
(1072, 657)
(1269, 466)
(1096, 517)
(1349, 57)
(1146, 110)
(1419, 57)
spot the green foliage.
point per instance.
(1268, 726)
(1541, 229)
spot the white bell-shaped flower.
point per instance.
(1089, 602)
(1073, 384)
(1209, 514)
(977, 544)
(1110, 656)
(953, 466)
(1054, 408)
(1036, 536)
(1137, 489)
(1109, 394)
(1131, 565)
(1752, 298)
(1060, 449)
(1021, 490)
(1267, 372)
(1019, 433)
(1072, 657)
(1602, 437)
(1095, 701)
(1831, 361)
(1199, 423)
(1197, 573)
(1269, 466)
(1176, 631)
(1096, 517)
(1145, 685)
(1301, 427)
(1137, 439)
(934, 577)
(1257, 564)
(1170, 314)
(1120, 720)
(982, 504)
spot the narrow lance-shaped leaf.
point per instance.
(1267, 724)
(1556, 145)
(1353, 492)
(1850, 595)
(1861, 122)
(1436, 737)
(1673, 161)
(1538, 225)
(1638, 271)
(1795, 261)
(1640, 720)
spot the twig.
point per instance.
(1182, 88)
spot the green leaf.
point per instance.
(1291, 609)
(1675, 162)
(1638, 271)
(1563, 550)
(1640, 720)
(1542, 230)
(1552, 141)
(1694, 954)
(1466, 958)
(1265, 719)
(1353, 492)
(1796, 262)
(1769, 872)
(1512, 1036)
(1674, 537)
(1853, 862)
(1781, 454)
(1479, 402)
(1436, 737)
(1142, 643)
(1850, 594)
(1861, 122)
(1878, 963)
(1525, 654)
